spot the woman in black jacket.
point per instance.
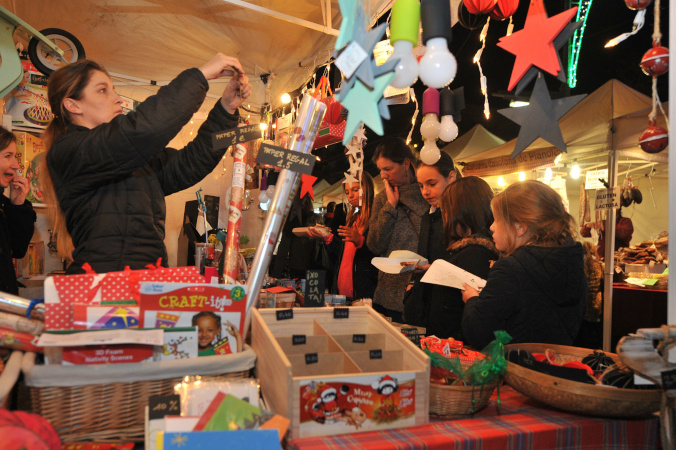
(108, 173)
(17, 217)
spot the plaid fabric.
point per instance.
(522, 424)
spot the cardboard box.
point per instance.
(30, 152)
(27, 103)
(339, 370)
(277, 297)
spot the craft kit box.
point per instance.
(30, 152)
(339, 370)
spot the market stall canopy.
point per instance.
(612, 117)
(476, 140)
(155, 40)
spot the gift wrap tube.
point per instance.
(310, 116)
(18, 305)
(18, 341)
(231, 258)
(21, 324)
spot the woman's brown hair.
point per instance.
(365, 208)
(538, 207)
(68, 81)
(396, 150)
(6, 138)
(466, 209)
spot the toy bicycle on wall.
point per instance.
(48, 50)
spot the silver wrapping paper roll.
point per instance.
(18, 305)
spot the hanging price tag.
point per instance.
(285, 159)
(350, 59)
(224, 139)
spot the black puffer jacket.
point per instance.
(17, 223)
(537, 294)
(111, 180)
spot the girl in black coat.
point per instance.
(17, 217)
(537, 293)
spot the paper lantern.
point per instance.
(654, 139)
(480, 6)
(469, 20)
(637, 4)
(504, 9)
(655, 61)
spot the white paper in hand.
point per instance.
(399, 261)
(446, 274)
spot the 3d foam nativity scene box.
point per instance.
(339, 370)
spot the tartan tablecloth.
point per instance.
(521, 424)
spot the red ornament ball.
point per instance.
(480, 6)
(504, 9)
(637, 4)
(655, 62)
(654, 139)
(334, 113)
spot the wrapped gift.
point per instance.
(62, 292)
(332, 127)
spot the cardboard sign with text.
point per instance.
(608, 198)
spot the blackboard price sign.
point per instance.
(314, 288)
(359, 338)
(298, 339)
(238, 135)
(285, 159)
(376, 354)
(412, 334)
(284, 314)
(160, 406)
(311, 358)
(669, 379)
(341, 313)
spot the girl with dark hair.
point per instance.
(208, 331)
(108, 173)
(395, 220)
(467, 216)
(17, 217)
(537, 292)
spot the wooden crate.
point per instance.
(334, 375)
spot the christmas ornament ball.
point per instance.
(655, 62)
(637, 4)
(654, 139)
(334, 113)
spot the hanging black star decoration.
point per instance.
(540, 118)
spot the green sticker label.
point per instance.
(237, 293)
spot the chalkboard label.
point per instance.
(311, 358)
(669, 379)
(238, 135)
(160, 406)
(412, 334)
(314, 288)
(341, 313)
(376, 354)
(284, 314)
(286, 159)
(298, 339)
(359, 338)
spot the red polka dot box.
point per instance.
(62, 292)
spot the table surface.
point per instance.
(521, 424)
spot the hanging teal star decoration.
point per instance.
(348, 11)
(362, 104)
(387, 66)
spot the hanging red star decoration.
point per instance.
(534, 44)
(306, 182)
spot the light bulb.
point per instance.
(264, 126)
(286, 98)
(271, 191)
(438, 65)
(558, 159)
(430, 127)
(575, 171)
(501, 182)
(406, 70)
(448, 130)
(522, 176)
(548, 175)
(263, 198)
(430, 153)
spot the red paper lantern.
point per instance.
(504, 9)
(467, 20)
(637, 4)
(334, 113)
(654, 139)
(655, 62)
(480, 6)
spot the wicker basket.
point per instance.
(457, 401)
(111, 411)
(576, 397)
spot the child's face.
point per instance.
(500, 235)
(207, 331)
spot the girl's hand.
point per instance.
(18, 189)
(314, 233)
(392, 193)
(421, 268)
(469, 292)
(349, 234)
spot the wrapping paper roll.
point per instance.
(232, 259)
(21, 323)
(18, 305)
(18, 341)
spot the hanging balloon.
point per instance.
(504, 9)
(468, 20)
(655, 62)
(334, 113)
(637, 4)
(480, 6)
(654, 139)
